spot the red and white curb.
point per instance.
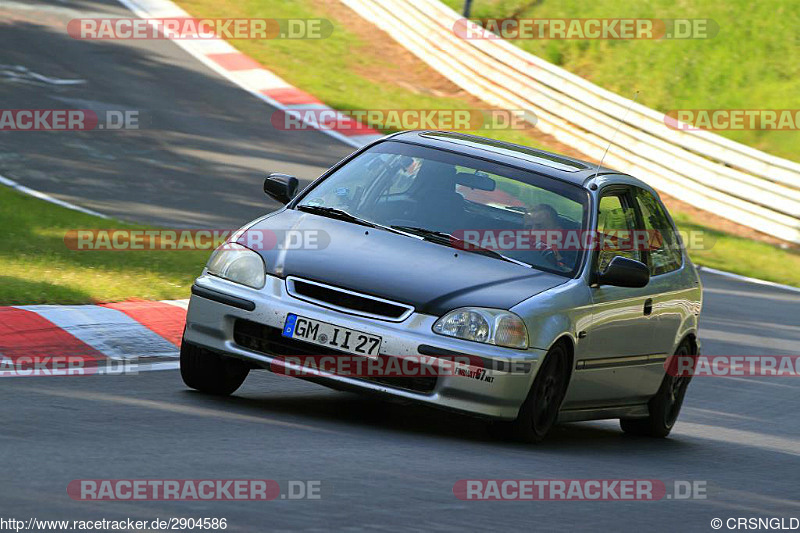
(248, 74)
(34, 339)
(148, 333)
(46, 339)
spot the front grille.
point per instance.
(347, 301)
(268, 340)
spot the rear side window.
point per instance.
(665, 252)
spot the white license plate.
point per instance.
(336, 337)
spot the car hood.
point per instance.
(431, 277)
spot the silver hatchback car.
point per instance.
(461, 272)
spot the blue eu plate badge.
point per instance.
(288, 328)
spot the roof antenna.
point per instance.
(597, 171)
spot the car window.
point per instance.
(664, 247)
(616, 222)
(394, 173)
(496, 207)
(405, 175)
(512, 194)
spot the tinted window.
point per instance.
(410, 186)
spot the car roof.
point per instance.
(557, 166)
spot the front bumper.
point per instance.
(498, 392)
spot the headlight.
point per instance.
(490, 326)
(236, 263)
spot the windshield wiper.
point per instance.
(448, 239)
(341, 214)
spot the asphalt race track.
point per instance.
(203, 147)
(198, 161)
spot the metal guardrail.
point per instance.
(698, 167)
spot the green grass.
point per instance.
(752, 63)
(36, 266)
(331, 68)
(717, 249)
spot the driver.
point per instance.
(544, 218)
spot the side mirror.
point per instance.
(624, 272)
(281, 187)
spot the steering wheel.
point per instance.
(548, 253)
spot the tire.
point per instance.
(665, 406)
(211, 373)
(539, 412)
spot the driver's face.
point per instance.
(540, 221)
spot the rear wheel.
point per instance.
(665, 406)
(540, 411)
(209, 372)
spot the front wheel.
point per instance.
(665, 406)
(209, 372)
(540, 411)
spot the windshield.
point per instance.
(479, 205)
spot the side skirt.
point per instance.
(600, 413)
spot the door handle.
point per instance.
(648, 306)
